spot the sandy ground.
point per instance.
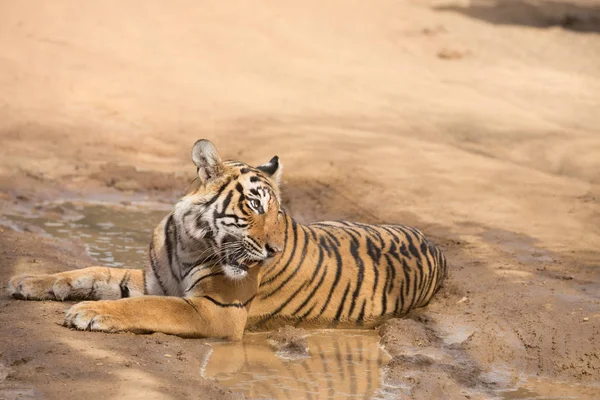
(475, 121)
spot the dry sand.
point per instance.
(477, 122)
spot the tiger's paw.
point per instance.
(98, 316)
(39, 287)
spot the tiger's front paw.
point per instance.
(95, 316)
(39, 287)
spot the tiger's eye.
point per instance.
(255, 203)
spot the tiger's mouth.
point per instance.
(236, 265)
(242, 263)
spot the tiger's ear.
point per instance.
(272, 169)
(207, 160)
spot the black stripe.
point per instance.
(295, 244)
(317, 267)
(168, 232)
(359, 277)
(307, 313)
(429, 270)
(393, 251)
(422, 282)
(283, 305)
(416, 232)
(375, 253)
(302, 257)
(218, 303)
(239, 188)
(153, 265)
(285, 243)
(397, 305)
(338, 314)
(404, 250)
(312, 293)
(376, 232)
(391, 233)
(178, 263)
(242, 199)
(389, 266)
(194, 267)
(254, 243)
(361, 315)
(202, 278)
(323, 228)
(123, 285)
(423, 248)
(191, 305)
(394, 254)
(221, 214)
(219, 192)
(232, 216)
(411, 246)
(402, 300)
(411, 291)
(348, 230)
(324, 245)
(338, 275)
(237, 225)
(249, 300)
(201, 225)
(392, 267)
(312, 233)
(435, 270)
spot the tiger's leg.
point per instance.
(93, 283)
(186, 317)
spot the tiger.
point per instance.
(228, 259)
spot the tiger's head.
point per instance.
(233, 209)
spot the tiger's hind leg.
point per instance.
(93, 283)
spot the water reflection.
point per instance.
(114, 236)
(341, 365)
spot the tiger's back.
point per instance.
(344, 274)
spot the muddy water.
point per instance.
(113, 235)
(339, 364)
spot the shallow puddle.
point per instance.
(340, 365)
(113, 235)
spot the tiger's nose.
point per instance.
(271, 251)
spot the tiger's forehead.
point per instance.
(253, 181)
(252, 184)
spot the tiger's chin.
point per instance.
(237, 271)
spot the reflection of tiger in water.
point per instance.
(228, 257)
(336, 367)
